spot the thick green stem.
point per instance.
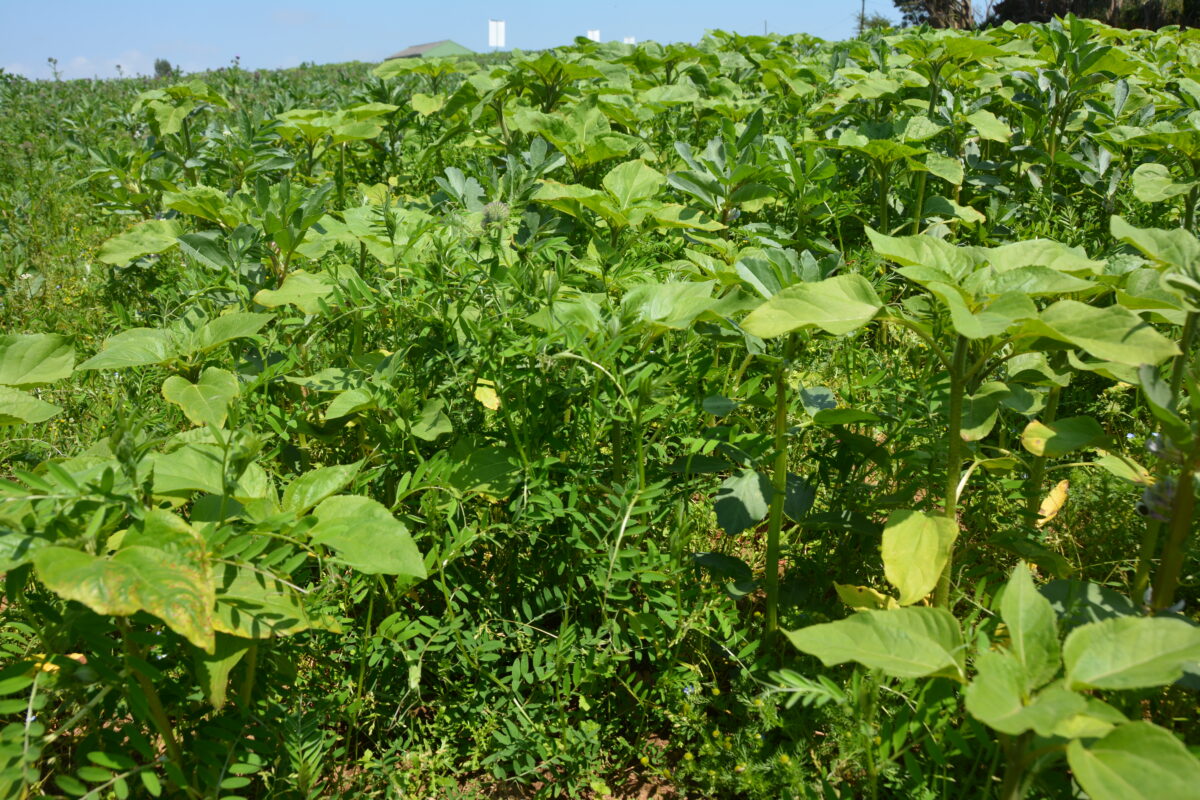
(1149, 544)
(341, 176)
(1166, 582)
(1033, 490)
(883, 169)
(919, 208)
(1185, 345)
(779, 484)
(1189, 212)
(158, 714)
(941, 595)
(1013, 787)
(188, 172)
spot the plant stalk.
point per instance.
(779, 484)
(1166, 582)
(158, 714)
(941, 595)
(1037, 473)
(1149, 544)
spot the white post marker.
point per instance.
(594, 34)
(630, 40)
(495, 33)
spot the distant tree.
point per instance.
(871, 22)
(163, 68)
(1119, 13)
(938, 13)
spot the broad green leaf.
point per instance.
(864, 598)
(1176, 247)
(350, 402)
(253, 605)
(924, 251)
(305, 291)
(226, 328)
(315, 485)
(1042, 253)
(205, 402)
(137, 578)
(1124, 468)
(152, 236)
(490, 471)
(134, 348)
(948, 169)
(798, 499)
(673, 305)
(205, 202)
(199, 468)
(426, 104)
(916, 547)
(911, 642)
(1136, 761)
(997, 698)
(1130, 652)
(1027, 282)
(212, 669)
(742, 500)
(632, 182)
(366, 537)
(432, 422)
(1111, 333)
(1154, 183)
(1062, 436)
(989, 126)
(981, 409)
(18, 547)
(836, 305)
(991, 320)
(1095, 721)
(672, 215)
(35, 359)
(939, 206)
(19, 408)
(1032, 628)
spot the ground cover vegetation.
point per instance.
(760, 418)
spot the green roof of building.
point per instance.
(440, 49)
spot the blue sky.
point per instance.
(91, 37)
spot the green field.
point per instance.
(760, 418)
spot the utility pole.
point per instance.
(862, 18)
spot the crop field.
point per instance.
(761, 418)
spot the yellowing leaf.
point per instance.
(1053, 503)
(485, 393)
(864, 597)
